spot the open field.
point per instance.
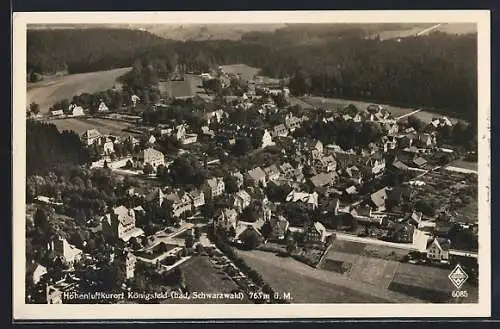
(201, 276)
(80, 125)
(247, 72)
(335, 104)
(308, 285)
(46, 93)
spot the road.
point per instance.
(407, 114)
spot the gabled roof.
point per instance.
(271, 170)
(257, 174)
(378, 198)
(419, 161)
(322, 179)
(442, 243)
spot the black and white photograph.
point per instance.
(285, 164)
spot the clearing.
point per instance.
(247, 72)
(52, 90)
(81, 125)
(450, 28)
(307, 285)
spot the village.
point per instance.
(225, 176)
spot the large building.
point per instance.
(119, 223)
(152, 156)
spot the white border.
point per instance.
(22, 311)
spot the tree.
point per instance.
(267, 230)
(148, 169)
(250, 239)
(189, 241)
(416, 123)
(232, 232)
(426, 207)
(34, 108)
(231, 184)
(242, 146)
(197, 233)
(300, 83)
(291, 244)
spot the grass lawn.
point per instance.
(46, 93)
(247, 72)
(81, 125)
(374, 271)
(384, 252)
(202, 276)
(349, 247)
(464, 164)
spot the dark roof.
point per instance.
(399, 165)
(419, 161)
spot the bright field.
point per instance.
(46, 93)
(247, 72)
(81, 125)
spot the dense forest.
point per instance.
(78, 51)
(47, 148)
(437, 70)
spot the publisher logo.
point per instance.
(458, 276)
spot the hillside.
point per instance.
(46, 93)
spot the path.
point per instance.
(429, 29)
(408, 114)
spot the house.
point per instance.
(353, 174)
(180, 204)
(414, 218)
(376, 163)
(378, 199)
(438, 249)
(279, 225)
(398, 165)
(127, 262)
(132, 140)
(184, 137)
(197, 198)
(256, 176)
(151, 140)
(250, 229)
(102, 107)
(215, 186)
(119, 223)
(315, 232)
(325, 164)
(267, 139)
(225, 218)
(241, 200)
(311, 199)
(67, 252)
(419, 162)
(153, 157)
(76, 110)
(400, 193)
(426, 140)
(272, 172)
(401, 233)
(292, 122)
(440, 122)
(90, 137)
(322, 179)
(239, 178)
(279, 131)
(315, 148)
(57, 113)
(38, 273)
(108, 147)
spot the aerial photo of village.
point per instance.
(254, 164)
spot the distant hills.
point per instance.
(201, 32)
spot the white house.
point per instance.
(438, 249)
(119, 223)
(38, 273)
(152, 156)
(61, 248)
(267, 139)
(216, 186)
(102, 107)
(76, 110)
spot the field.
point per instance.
(201, 276)
(464, 164)
(46, 93)
(307, 285)
(336, 104)
(247, 72)
(105, 126)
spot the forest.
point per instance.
(435, 71)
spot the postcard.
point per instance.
(264, 165)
